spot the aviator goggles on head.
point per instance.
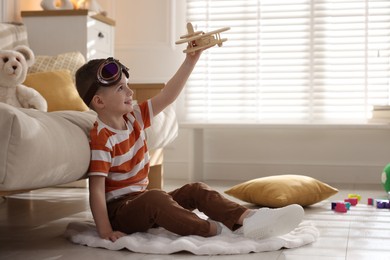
(109, 73)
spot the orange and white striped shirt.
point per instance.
(122, 155)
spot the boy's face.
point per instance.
(117, 99)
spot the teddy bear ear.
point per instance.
(27, 53)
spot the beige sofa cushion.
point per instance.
(42, 149)
(71, 61)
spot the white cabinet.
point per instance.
(59, 31)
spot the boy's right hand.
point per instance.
(113, 236)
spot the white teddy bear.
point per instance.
(13, 71)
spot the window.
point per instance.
(297, 61)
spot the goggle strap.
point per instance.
(90, 93)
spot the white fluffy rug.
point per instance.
(161, 241)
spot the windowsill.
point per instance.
(203, 125)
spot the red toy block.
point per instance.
(353, 201)
(340, 207)
(334, 204)
(370, 201)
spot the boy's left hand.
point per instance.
(194, 56)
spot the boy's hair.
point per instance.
(86, 77)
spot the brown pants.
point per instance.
(173, 210)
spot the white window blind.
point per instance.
(304, 61)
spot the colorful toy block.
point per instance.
(340, 207)
(352, 196)
(370, 201)
(347, 205)
(382, 204)
(353, 201)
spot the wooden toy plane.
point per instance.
(199, 40)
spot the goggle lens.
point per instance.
(110, 71)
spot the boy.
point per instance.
(118, 171)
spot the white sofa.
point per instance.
(43, 149)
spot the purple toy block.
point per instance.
(382, 204)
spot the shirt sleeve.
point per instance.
(100, 163)
(101, 158)
(143, 113)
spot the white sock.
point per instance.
(221, 228)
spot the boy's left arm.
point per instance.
(175, 85)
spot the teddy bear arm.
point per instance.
(30, 98)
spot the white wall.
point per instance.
(342, 154)
(146, 32)
(145, 35)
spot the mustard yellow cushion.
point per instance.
(58, 89)
(282, 190)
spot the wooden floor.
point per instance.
(32, 226)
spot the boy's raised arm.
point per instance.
(175, 85)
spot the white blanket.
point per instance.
(161, 241)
